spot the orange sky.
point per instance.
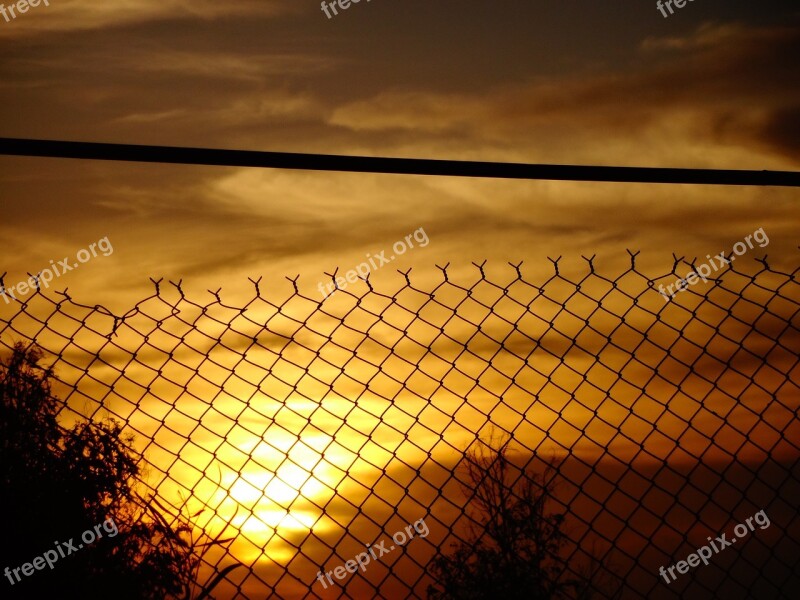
(715, 86)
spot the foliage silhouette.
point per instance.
(55, 483)
(514, 545)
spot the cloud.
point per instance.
(430, 112)
(726, 103)
(81, 15)
(215, 65)
(708, 35)
(781, 130)
(262, 108)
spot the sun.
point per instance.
(264, 510)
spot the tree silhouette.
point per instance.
(513, 548)
(56, 483)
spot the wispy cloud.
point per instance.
(723, 105)
(79, 15)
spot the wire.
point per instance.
(401, 166)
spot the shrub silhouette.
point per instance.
(513, 549)
(55, 483)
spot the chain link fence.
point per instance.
(309, 430)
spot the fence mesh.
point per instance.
(308, 429)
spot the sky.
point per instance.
(714, 85)
(711, 86)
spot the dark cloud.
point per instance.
(782, 131)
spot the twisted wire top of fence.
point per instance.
(308, 429)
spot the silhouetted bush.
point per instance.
(55, 483)
(513, 548)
